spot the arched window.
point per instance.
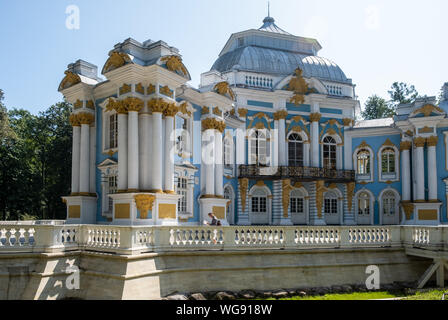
(297, 202)
(259, 202)
(388, 161)
(389, 205)
(331, 203)
(259, 148)
(295, 150)
(364, 204)
(329, 153)
(363, 162)
(228, 152)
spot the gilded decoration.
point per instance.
(405, 145)
(74, 120)
(260, 183)
(174, 63)
(171, 110)
(419, 142)
(244, 185)
(77, 104)
(85, 118)
(183, 108)
(224, 89)
(320, 189)
(315, 117)
(347, 122)
(90, 105)
(279, 115)
(388, 143)
(286, 194)
(364, 145)
(242, 112)
(213, 124)
(115, 61)
(140, 89)
(126, 88)
(217, 112)
(151, 89)
(426, 129)
(69, 80)
(205, 110)
(432, 141)
(298, 185)
(157, 105)
(428, 109)
(144, 203)
(298, 85)
(165, 90)
(260, 116)
(133, 104)
(350, 192)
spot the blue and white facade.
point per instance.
(269, 138)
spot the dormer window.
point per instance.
(240, 42)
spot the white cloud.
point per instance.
(372, 17)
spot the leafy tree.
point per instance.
(402, 93)
(377, 108)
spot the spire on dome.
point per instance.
(269, 24)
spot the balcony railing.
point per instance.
(296, 173)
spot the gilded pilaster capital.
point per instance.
(170, 110)
(432, 141)
(315, 117)
(217, 111)
(347, 122)
(242, 112)
(133, 104)
(419, 142)
(282, 114)
(157, 105)
(213, 124)
(85, 118)
(74, 120)
(405, 145)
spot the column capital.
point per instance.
(405, 145)
(212, 123)
(280, 115)
(242, 112)
(133, 104)
(74, 120)
(432, 141)
(348, 122)
(85, 118)
(170, 110)
(315, 117)
(419, 142)
(157, 105)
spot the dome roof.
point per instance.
(279, 62)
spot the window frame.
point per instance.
(388, 176)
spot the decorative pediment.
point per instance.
(115, 61)
(224, 89)
(107, 164)
(427, 110)
(175, 64)
(69, 80)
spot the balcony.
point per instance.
(296, 173)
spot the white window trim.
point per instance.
(269, 145)
(338, 140)
(364, 178)
(268, 202)
(179, 172)
(397, 203)
(305, 141)
(105, 131)
(372, 205)
(384, 177)
(340, 205)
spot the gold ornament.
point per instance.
(165, 90)
(419, 142)
(432, 141)
(242, 112)
(144, 202)
(224, 89)
(282, 114)
(125, 89)
(405, 145)
(174, 63)
(244, 185)
(140, 89)
(286, 194)
(315, 117)
(350, 192)
(115, 61)
(151, 89)
(69, 80)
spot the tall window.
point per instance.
(297, 202)
(388, 160)
(364, 203)
(329, 148)
(228, 146)
(259, 201)
(363, 162)
(295, 150)
(113, 131)
(181, 189)
(389, 203)
(112, 188)
(259, 149)
(330, 203)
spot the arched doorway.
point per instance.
(259, 206)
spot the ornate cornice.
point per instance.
(315, 117)
(279, 115)
(419, 142)
(427, 109)
(432, 141)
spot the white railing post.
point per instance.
(395, 236)
(344, 236)
(289, 234)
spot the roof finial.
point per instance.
(269, 14)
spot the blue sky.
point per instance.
(374, 42)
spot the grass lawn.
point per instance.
(423, 295)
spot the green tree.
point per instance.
(402, 93)
(377, 108)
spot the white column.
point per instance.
(144, 158)
(314, 118)
(420, 169)
(76, 158)
(208, 159)
(84, 170)
(92, 174)
(241, 146)
(406, 170)
(275, 155)
(133, 151)
(306, 154)
(339, 158)
(219, 168)
(157, 155)
(282, 143)
(169, 153)
(432, 169)
(122, 183)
